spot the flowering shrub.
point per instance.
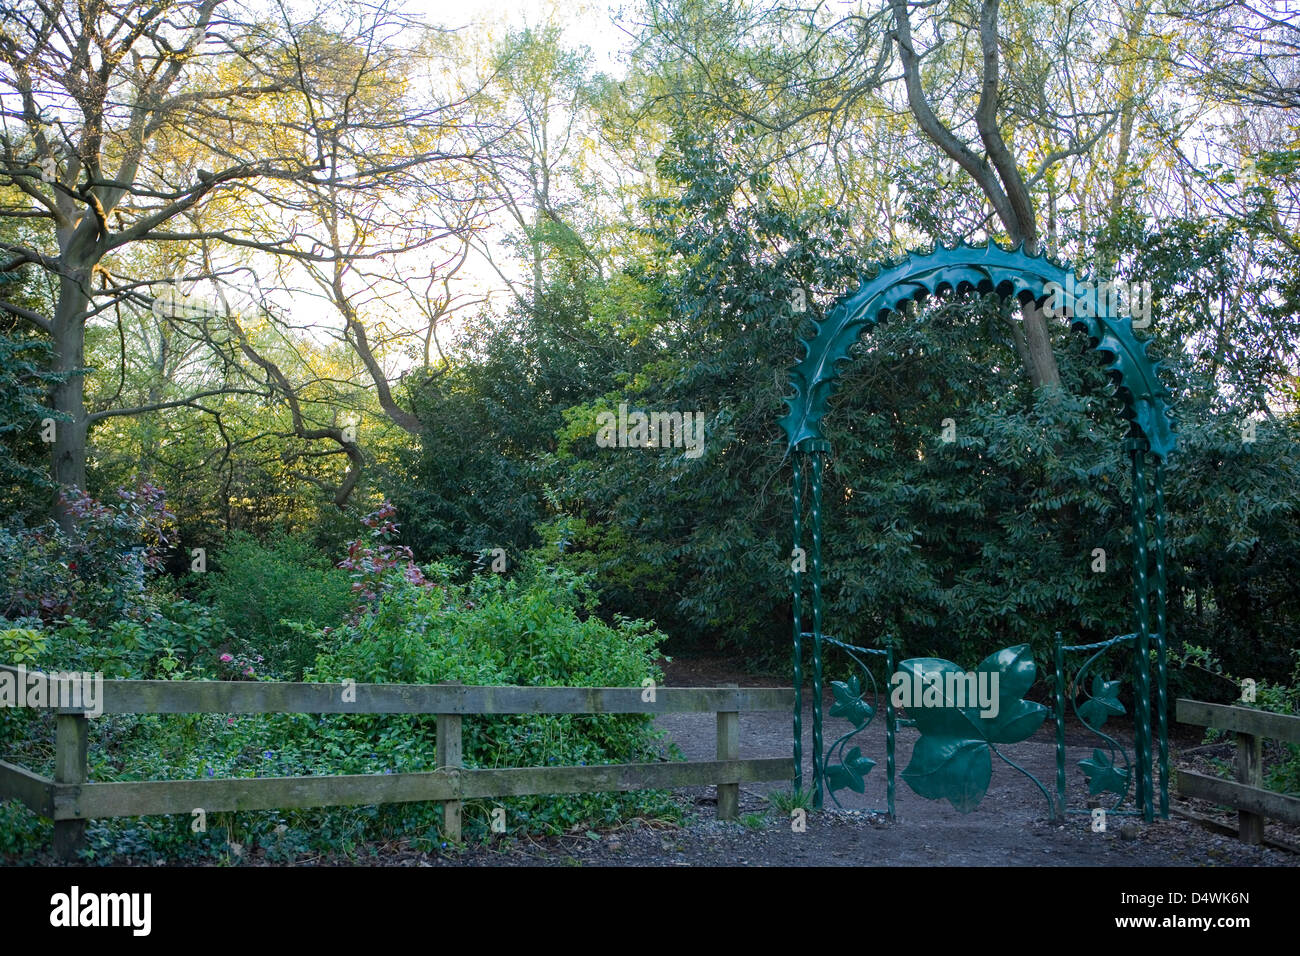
(97, 571)
(238, 666)
(372, 564)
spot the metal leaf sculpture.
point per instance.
(953, 759)
(986, 269)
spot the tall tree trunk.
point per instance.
(996, 173)
(1041, 360)
(69, 395)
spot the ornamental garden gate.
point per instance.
(953, 757)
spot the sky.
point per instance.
(585, 22)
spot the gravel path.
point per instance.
(1011, 827)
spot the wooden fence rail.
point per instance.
(1246, 794)
(70, 799)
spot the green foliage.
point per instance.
(23, 646)
(786, 802)
(19, 647)
(98, 570)
(178, 640)
(537, 627)
(22, 833)
(475, 483)
(25, 485)
(270, 595)
(1228, 304)
(695, 542)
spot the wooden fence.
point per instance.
(1252, 803)
(70, 799)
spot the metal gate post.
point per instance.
(1137, 448)
(1162, 663)
(796, 562)
(816, 450)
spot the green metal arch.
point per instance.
(985, 269)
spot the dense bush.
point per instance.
(537, 627)
(98, 570)
(93, 597)
(266, 593)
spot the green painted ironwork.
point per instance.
(815, 516)
(1101, 703)
(1142, 614)
(796, 564)
(891, 730)
(845, 768)
(848, 769)
(1058, 702)
(952, 759)
(1162, 659)
(982, 269)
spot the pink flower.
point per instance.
(227, 658)
(248, 671)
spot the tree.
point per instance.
(537, 95)
(1007, 108)
(136, 123)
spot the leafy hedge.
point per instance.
(537, 628)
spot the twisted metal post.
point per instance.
(1058, 660)
(817, 450)
(891, 725)
(1142, 646)
(797, 601)
(1162, 681)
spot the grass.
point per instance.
(785, 801)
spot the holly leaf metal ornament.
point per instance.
(849, 703)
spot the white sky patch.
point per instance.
(588, 23)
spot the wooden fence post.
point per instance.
(729, 749)
(1250, 771)
(450, 758)
(70, 736)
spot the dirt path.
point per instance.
(1011, 827)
